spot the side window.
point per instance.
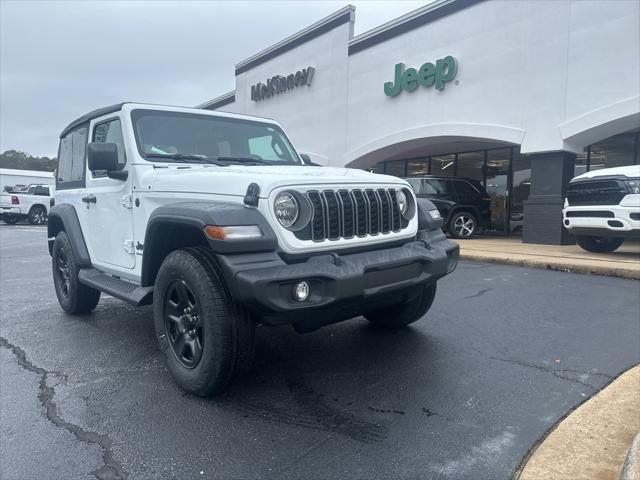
(415, 184)
(71, 158)
(111, 132)
(464, 188)
(449, 186)
(434, 187)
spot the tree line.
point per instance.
(24, 161)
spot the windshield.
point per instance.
(194, 138)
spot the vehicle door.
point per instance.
(106, 214)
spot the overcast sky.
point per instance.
(59, 60)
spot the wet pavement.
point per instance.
(504, 353)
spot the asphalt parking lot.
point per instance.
(504, 353)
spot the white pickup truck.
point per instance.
(602, 208)
(32, 205)
(216, 220)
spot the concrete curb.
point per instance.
(631, 466)
(551, 264)
(592, 440)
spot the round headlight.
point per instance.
(286, 209)
(403, 203)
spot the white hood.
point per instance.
(631, 171)
(234, 179)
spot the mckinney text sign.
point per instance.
(281, 84)
(427, 75)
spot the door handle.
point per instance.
(89, 199)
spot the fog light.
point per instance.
(301, 291)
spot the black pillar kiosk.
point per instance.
(550, 175)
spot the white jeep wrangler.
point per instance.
(216, 220)
(602, 208)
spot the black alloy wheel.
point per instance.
(183, 323)
(74, 297)
(64, 276)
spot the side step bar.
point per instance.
(116, 287)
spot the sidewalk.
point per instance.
(592, 442)
(624, 262)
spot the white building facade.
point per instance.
(520, 95)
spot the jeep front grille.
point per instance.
(351, 213)
(596, 192)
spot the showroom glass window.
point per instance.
(471, 165)
(443, 165)
(616, 151)
(396, 168)
(418, 167)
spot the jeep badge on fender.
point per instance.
(215, 219)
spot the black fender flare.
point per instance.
(197, 215)
(64, 217)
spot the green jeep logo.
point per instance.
(428, 75)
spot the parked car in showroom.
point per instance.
(215, 219)
(31, 205)
(602, 208)
(462, 202)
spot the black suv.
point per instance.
(463, 203)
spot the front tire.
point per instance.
(403, 314)
(37, 215)
(463, 225)
(73, 296)
(599, 244)
(206, 339)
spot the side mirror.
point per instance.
(104, 156)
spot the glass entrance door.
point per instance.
(497, 184)
(521, 184)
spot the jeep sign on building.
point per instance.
(519, 96)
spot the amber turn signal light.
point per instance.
(235, 232)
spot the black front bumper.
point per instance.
(342, 285)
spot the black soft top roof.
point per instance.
(91, 115)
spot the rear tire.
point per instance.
(403, 314)
(73, 296)
(37, 215)
(463, 225)
(599, 244)
(206, 338)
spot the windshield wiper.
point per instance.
(184, 157)
(243, 160)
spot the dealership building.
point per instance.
(519, 95)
